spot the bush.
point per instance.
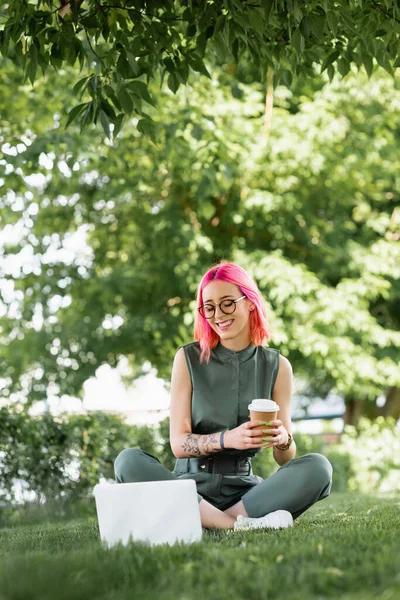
(342, 467)
(62, 459)
(373, 449)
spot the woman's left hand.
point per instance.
(275, 435)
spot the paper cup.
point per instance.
(263, 415)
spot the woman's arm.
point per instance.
(282, 395)
(183, 442)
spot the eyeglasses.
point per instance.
(227, 306)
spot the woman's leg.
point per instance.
(296, 486)
(213, 517)
(134, 465)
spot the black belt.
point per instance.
(209, 464)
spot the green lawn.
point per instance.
(346, 546)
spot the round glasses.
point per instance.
(227, 307)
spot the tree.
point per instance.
(313, 215)
(124, 44)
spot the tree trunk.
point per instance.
(392, 405)
(371, 410)
(353, 411)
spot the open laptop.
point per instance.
(154, 512)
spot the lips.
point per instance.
(230, 321)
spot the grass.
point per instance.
(346, 546)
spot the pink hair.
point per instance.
(259, 325)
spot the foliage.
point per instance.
(124, 45)
(374, 448)
(314, 217)
(61, 459)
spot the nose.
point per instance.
(219, 315)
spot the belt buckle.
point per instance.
(206, 466)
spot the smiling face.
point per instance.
(239, 330)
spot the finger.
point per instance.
(270, 443)
(255, 423)
(273, 441)
(258, 440)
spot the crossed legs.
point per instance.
(297, 485)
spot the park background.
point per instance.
(120, 185)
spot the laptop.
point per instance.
(153, 512)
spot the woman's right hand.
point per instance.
(245, 436)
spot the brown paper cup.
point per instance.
(263, 415)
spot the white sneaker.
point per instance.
(279, 519)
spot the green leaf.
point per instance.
(133, 63)
(90, 22)
(147, 127)
(343, 66)
(330, 59)
(197, 64)
(173, 82)
(383, 61)
(256, 20)
(368, 64)
(123, 67)
(220, 23)
(108, 109)
(105, 123)
(317, 25)
(304, 28)
(80, 84)
(298, 41)
(269, 6)
(32, 65)
(191, 30)
(140, 89)
(201, 42)
(88, 115)
(113, 97)
(209, 32)
(183, 71)
(118, 123)
(222, 50)
(298, 13)
(75, 112)
(125, 100)
(70, 54)
(333, 21)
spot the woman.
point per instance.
(213, 381)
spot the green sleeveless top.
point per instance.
(223, 388)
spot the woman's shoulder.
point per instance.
(270, 352)
(192, 349)
(190, 344)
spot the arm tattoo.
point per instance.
(208, 441)
(192, 445)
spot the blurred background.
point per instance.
(103, 243)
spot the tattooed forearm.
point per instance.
(201, 445)
(191, 445)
